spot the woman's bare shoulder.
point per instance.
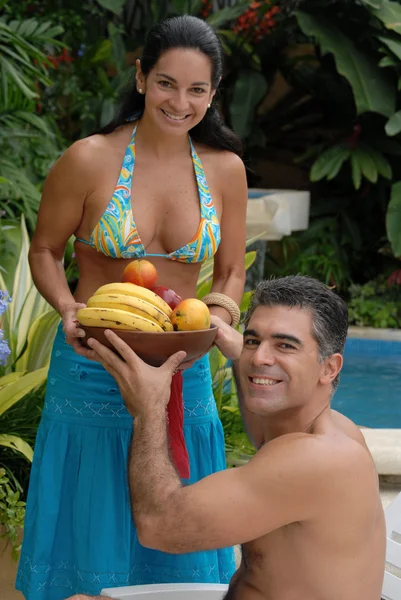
(94, 152)
(88, 152)
(221, 159)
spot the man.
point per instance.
(306, 508)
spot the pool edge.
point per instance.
(385, 447)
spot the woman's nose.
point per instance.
(179, 101)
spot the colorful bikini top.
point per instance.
(116, 235)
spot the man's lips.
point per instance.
(263, 381)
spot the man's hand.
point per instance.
(228, 339)
(144, 388)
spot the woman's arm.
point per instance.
(59, 216)
(229, 261)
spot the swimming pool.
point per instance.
(370, 387)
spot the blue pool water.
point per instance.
(370, 388)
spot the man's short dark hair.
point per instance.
(329, 311)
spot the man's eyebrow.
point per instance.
(251, 332)
(276, 336)
(175, 81)
(288, 338)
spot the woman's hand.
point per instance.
(71, 328)
(228, 339)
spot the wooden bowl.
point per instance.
(156, 348)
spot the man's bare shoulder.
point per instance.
(322, 455)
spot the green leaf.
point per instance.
(39, 342)
(373, 3)
(393, 125)
(337, 164)
(17, 444)
(393, 219)
(372, 88)
(389, 14)
(114, 6)
(329, 162)
(245, 301)
(388, 61)
(17, 77)
(367, 164)
(227, 14)
(393, 45)
(383, 166)
(6, 379)
(103, 52)
(11, 393)
(250, 88)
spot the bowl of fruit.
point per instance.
(155, 323)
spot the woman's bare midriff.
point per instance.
(95, 270)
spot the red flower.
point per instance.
(395, 278)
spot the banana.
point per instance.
(134, 305)
(116, 319)
(131, 289)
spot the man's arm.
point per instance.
(291, 479)
(152, 476)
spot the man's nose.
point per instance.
(263, 355)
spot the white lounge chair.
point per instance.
(168, 591)
(392, 576)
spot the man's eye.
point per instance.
(286, 346)
(251, 342)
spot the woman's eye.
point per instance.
(165, 83)
(198, 90)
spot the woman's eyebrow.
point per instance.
(175, 81)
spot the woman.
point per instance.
(173, 173)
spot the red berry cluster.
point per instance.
(254, 26)
(206, 9)
(63, 57)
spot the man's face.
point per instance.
(279, 365)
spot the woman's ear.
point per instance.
(140, 79)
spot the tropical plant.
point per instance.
(369, 62)
(376, 303)
(29, 326)
(24, 68)
(12, 512)
(238, 446)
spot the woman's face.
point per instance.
(178, 89)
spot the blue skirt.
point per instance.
(79, 536)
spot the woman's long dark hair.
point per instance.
(182, 32)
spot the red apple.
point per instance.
(168, 295)
(141, 272)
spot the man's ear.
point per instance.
(332, 366)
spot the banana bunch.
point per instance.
(126, 306)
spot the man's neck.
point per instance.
(304, 420)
